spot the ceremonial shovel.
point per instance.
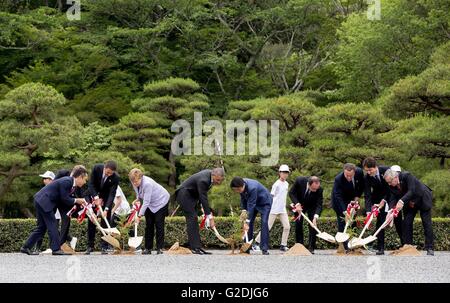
(107, 238)
(323, 235)
(357, 242)
(109, 230)
(369, 239)
(344, 236)
(246, 246)
(135, 241)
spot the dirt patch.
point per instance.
(176, 249)
(406, 250)
(298, 250)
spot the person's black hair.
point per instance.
(112, 165)
(62, 173)
(237, 182)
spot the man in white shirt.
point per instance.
(279, 193)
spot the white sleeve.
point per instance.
(275, 189)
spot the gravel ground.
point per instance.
(324, 266)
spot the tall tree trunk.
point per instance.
(6, 184)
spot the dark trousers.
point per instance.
(46, 221)
(152, 221)
(188, 205)
(91, 232)
(408, 220)
(398, 221)
(299, 231)
(264, 226)
(65, 227)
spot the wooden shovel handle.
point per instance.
(310, 223)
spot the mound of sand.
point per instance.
(298, 250)
(176, 249)
(406, 250)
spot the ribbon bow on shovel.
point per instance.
(322, 235)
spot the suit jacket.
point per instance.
(255, 196)
(411, 189)
(375, 190)
(344, 191)
(107, 192)
(198, 186)
(56, 194)
(313, 202)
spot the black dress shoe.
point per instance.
(197, 251)
(311, 251)
(380, 252)
(159, 252)
(147, 252)
(205, 252)
(88, 251)
(430, 252)
(265, 252)
(60, 252)
(28, 251)
(105, 251)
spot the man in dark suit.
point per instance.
(307, 196)
(193, 190)
(255, 198)
(411, 195)
(46, 200)
(348, 186)
(377, 193)
(102, 187)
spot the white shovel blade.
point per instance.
(367, 240)
(112, 230)
(341, 237)
(134, 242)
(354, 243)
(327, 237)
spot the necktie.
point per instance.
(103, 180)
(72, 190)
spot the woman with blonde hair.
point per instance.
(155, 204)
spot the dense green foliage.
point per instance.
(110, 85)
(13, 232)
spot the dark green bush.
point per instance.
(13, 233)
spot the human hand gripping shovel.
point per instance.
(389, 219)
(322, 235)
(350, 213)
(135, 241)
(357, 242)
(106, 237)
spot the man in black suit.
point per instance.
(307, 196)
(102, 187)
(46, 200)
(193, 190)
(377, 193)
(411, 195)
(348, 186)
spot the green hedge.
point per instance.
(13, 233)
